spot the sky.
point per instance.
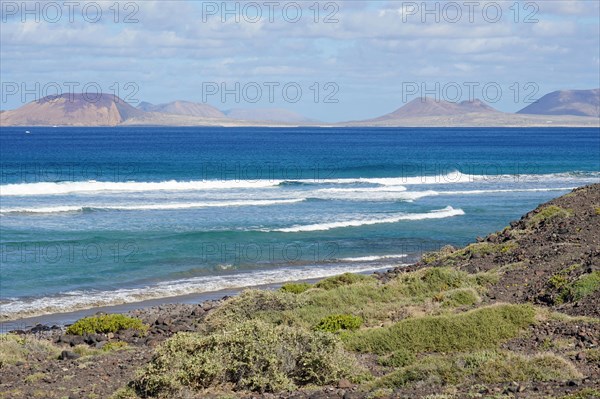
(327, 60)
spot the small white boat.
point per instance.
(27, 132)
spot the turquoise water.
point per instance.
(102, 216)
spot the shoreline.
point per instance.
(483, 314)
(63, 319)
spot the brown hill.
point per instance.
(72, 110)
(424, 107)
(567, 102)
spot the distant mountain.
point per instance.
(72, 109)
(267, 114)
(566, 102)
(428, 112)
(183, 108)
(109, 110)
(424, 107)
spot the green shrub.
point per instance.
(557, 281)
(124, 393)
(342, 279)
(460, 297)
(106, 324)
(477, 329)
(255, 356)
(337, 322)
(584, 286)
(399, 358)
(295, 288)
(547, 214)
(484, 367)
(251, 304)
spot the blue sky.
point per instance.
(351, 60)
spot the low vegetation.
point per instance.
(478, 329)
(109, 323)
(548, 214)
(337, 322)
(16, 348)
(487, 367)
(425, 291)
(583, 286)
(295, 288)
(586, 393)
(255, 356)
(448, 256)
(341, 280)
(459, 297)
(572, 290)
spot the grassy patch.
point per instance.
(485, 248)
(449, 257)
(586, 393)
(432, 257)
(592, 355)
(373, 302)
(584, 286)
(85, 350)
(295, 288)
(255, 356)
(459, 297)
(477, 329)
(341, 280)
(597, 210)
(115, 346)
(337, 322)
(486, 367)
(576, 290)
(15, 348)
(548, 214)
(33, 378)
(106, 324)
(399, 358)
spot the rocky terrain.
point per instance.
(513, 315)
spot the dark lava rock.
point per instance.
(67, 355)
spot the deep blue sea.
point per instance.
(102, 216)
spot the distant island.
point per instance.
(570, 108)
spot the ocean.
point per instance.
(106, 216)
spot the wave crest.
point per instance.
(435, 214)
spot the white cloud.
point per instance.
(368, 52)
